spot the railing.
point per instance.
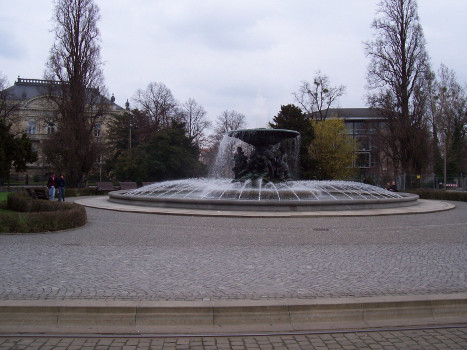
(38, 81)
(407, 182)
(38, 137)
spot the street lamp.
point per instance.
(129, 138)
(445, 156)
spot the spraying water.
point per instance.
(260, 165)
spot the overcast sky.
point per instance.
(243, 55)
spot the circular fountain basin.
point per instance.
(292, 196)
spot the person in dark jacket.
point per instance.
(61, 183)
(51, 185)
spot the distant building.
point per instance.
(32, 116)
(361, 124)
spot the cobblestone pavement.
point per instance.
(131, 256)
(432, 339)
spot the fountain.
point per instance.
(268, 162)
(262, 163)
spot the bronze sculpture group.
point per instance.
(263, 163)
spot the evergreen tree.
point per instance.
(291, 117)
(168, 155)
(14, 152)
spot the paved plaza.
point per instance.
(432, 339)
(139, 257)
(132, 256)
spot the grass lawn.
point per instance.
(3, 196)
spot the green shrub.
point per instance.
(9, 221)
(34, 215)
(19, 201)
(87, 191)
(75, 192)
(71, 192)
(441, 195)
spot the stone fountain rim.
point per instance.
(406, 199)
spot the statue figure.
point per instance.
(240, 163)
(282, 168)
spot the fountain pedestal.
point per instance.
(269, 161)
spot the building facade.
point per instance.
(33, 115)
(361, 124)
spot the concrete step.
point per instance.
(225, 316)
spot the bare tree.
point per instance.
(194, 117)
(396, 81)
(76, 65)
(159, 105)
(316, 99)
(226, 121)
(450, 118)
(8, 105)
(3, 82)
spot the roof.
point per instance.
(354, 113)
(26, 89)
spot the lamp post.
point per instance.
(445, 157)
(129, 138)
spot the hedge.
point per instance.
(29, 215)
(76, 192)
(441, 195)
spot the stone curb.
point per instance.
(214, 317)
(422, 206)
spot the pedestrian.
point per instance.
(61, 183)
(51, 185)
(393, 187)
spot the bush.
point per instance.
(34, 215)
(76, 192)
(21, 202)
(441, 195)
(87, 191)
(71, 192)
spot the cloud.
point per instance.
(260, 113)
(9, 48)
(244, 55)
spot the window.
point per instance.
(32, 128)
(50, 128)
(359, 127)
(363, 160)
(363, 143)
(97, 130)
(349, 126)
